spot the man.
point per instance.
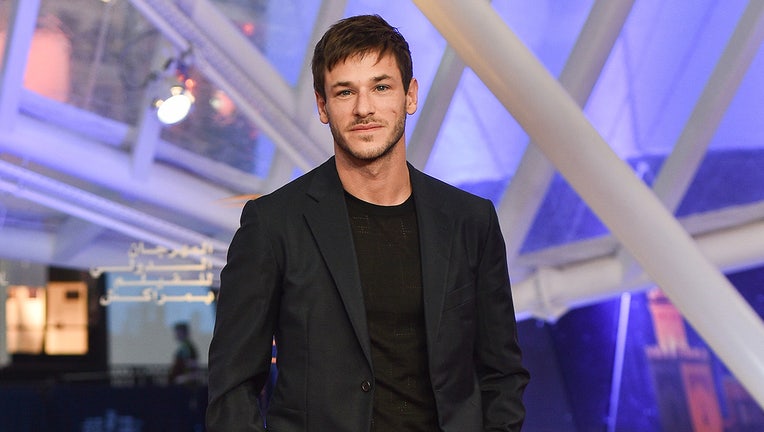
(386, 290)
(184, 369)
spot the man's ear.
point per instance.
(321, 105)
(411, 96)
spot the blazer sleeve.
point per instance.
(240, 350)
(502, 377)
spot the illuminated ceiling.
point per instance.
(675, 89)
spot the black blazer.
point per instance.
(292, 273)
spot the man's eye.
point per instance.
(382, 87)
(344, 93)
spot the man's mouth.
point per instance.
(365, 127)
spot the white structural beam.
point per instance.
(219, 64)
(279, 101)
(89, 215)
(630, 210)
(216, 172)
(551, 291)
(435, 108)
(108, 167)
(51, 193)
(90, 127)
(144, 147)
(146, 137)
(698, 225)
(18, 40)
(329, 13)
(306, 113)
(525, 193)
(219, 31)
(678, 170)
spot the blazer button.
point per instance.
(366, 386)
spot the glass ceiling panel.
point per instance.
(216, 129)
(109, 60)
(100, 55)
(281, 30)
(106, 54)
(657, 71)
(549, 28)
(290, 28)
(741, 126)
(480, 142)
(642, 102)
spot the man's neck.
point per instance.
(383, 182)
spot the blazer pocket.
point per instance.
(459, 297)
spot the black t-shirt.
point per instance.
(387, 246)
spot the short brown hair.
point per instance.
(359, 35)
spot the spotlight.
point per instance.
(176, 107)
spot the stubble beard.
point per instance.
(370, 154)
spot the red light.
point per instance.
(248, 29)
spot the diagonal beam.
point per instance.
(551, 291)
(305, 106)
(23, 20)
(281, 99)
(95, 217)
(525, 193)
(144, 146)
(92, 127)
(305, 111)
(100, 211)
(259, 98)
(679, 168)
(568, 254)
(91, 161)
(207, 28)
(147, 134)
(329, 12)
(624, 203)
(435, 107)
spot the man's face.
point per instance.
(366, 106)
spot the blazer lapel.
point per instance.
(328, 221)
(435, 227)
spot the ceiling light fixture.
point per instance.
(176, 105)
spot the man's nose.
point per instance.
(363, 105)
